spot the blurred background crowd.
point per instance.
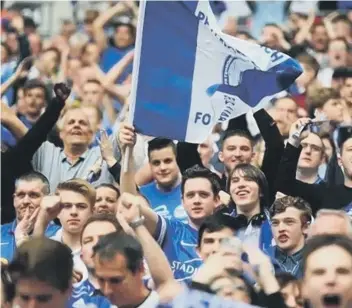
(66, 73)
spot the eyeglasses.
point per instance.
(314, 148)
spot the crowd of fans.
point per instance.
(258, 214)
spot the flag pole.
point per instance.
(135, 73)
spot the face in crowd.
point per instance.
(34, 101)
(312, 154)
(76, 209)
(199, 198)
(123, 36)
(236, 150)
(328, 280)
(346, 158)
(164, 167)
(91, 234)
(120, 275)
(245, 190)
(106, 199)
(289, 229)
(76, 129)
(28, 195)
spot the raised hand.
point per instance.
(129, 207)
(24, 67)
(50, 207)
(297, 127)
(127, 136)
(106, 148)
(25, 226)
(7, 114)
(62, 91)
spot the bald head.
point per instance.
(331, 222)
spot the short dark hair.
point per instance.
(35, 176)
(200, 172)
(161, 143)
(256, 175)
(35, 84)
(43, 259)
(112, 187)
(92, 80)
(325, 240)
(115, 243)
(343, 18)
(217, 222)
(280, 205)
(284, 278)
(105, 217)
(237, 132)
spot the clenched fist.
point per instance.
(62, 91)
(130, 207)
(50, 207)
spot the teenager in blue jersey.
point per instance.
(30, 188)
(164, 193)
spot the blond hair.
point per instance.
(81, 187)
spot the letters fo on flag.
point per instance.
(188, 75)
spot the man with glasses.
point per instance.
(312, 156)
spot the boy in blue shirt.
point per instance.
(164, 193)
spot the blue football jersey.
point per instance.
(86, 301)
(166, 204)
(179, 242)
(8, 242)
(83, 293)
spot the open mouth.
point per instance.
(283, 238)
(332, 300)
(242, 193)
(76, 133)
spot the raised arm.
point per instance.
(102, 20)
(286, 177)
(12, 122)
(151, 219)
(30, 143)
(274, 148)
(157, 262)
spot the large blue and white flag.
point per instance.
(188, 75)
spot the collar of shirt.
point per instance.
(64, 158)
(281, 256)
(318, 180)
